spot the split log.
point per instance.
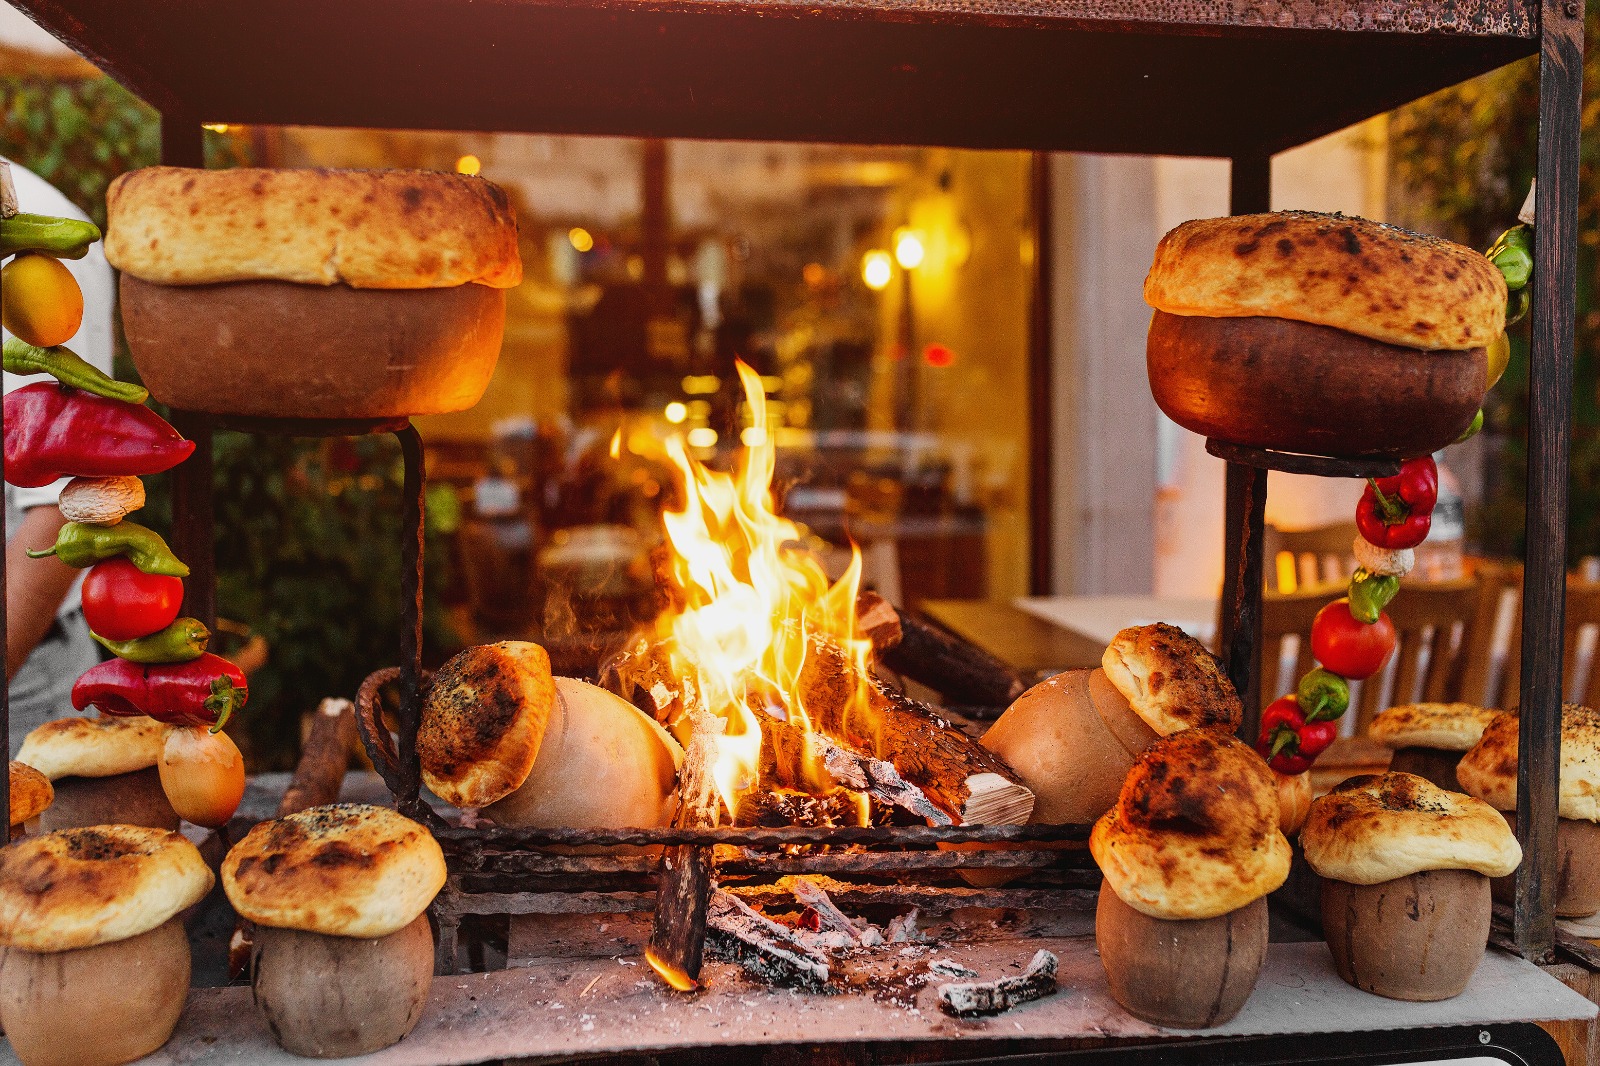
(771, 953)
(968, 781)
(959, 671)
(971, 999)
(792, 758)
(683, 888)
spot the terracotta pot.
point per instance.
(98, 1006)
(1430, 764)
(1184, 974)
(1577, 889)
(326, 997)
(121, 799)
(278, 349)
(1295, 387)
(1415, 938)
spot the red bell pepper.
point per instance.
(1288, 742)
(1396, 512)
(203, 691)
(54, 432)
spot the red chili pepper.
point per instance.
(54, 432)
(1396, 512)
(1288, 742)
(203, 691)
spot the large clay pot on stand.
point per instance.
(1429, 739)
(103, 771)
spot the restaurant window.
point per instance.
(880, 294)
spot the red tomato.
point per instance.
(202, 774)
(122, 602)
(1348, 646)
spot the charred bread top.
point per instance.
(1489, 770)
(93, 747)
(30, 792)
(369, 229)
(76, 888)
(1194, 833)
(483, 721)
(1363, 277)
(1170, 680)
(1446, 726)
(1377, 827)
(348, 869)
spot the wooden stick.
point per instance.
(765, 950)
(974, 998)
(677, 936)
(319, 776)
(958, 670)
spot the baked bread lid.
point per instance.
(76, 888)
(1377, 827)
(483, 721)
(30, 792)
(93, 747)
(1489, 770)
(1195, 831)
(1446, 726)
(369, 229)
(348, 869)
(1170, 680)
(1363, 277)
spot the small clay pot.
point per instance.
(1430, 764)
(1577, 890)
(1416, 938)
(1185, 973)
(97, 1006)
(327, 997)
(121, 799)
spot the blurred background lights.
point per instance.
(580, 238)
(908, 248)
(468, 164)
(675, 412)
(752, 436)
(876, 269)
(703, 437)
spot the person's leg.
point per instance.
(42, 690)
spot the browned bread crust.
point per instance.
(348, 869)
(1446, 726)
(1377, 827)
(93, 747)
(370, 229)
(1195, 831)
(79, 887)
(483, 721)
(1364, 277)
(30, 792)
(1170, 680)
(1489, 770)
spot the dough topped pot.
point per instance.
(102, 771)
(1259, 319)
(1444, 726)
(1171, 680)
(324, 294)
(30, 793)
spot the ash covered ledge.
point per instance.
(561, 1007)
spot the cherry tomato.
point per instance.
(202, 774)
(1348, 646)
(42, 302)
(122, 602)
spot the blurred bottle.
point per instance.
(1439, 558)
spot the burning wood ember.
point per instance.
(677, 937)
(959, 671)
(764, 949)
(974, 998)
(830, 918)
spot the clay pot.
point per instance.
(1294, 387)
(326, 997)
(97, 1006)
(279, 349)
(121, 799)
(1577, 890)
(1430, 764)
(1183, 974)
(1415, 938)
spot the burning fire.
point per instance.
(750, 599)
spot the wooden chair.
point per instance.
(1493, 672)
(1312, 557)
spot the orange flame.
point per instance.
(752, 597)
(669, 973)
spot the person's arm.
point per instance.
(34, 587)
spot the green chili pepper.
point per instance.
(1323, 695)
(81, 545)
(180, 642)
(1472, 430)
(69, 368)
(59, 238)
(1370, 594)
(1516, 264)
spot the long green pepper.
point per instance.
(59, 238)
(82, 545)
(180, 642)
(69, 368)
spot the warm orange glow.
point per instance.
(580, 239)
(673, 976)
(1288, 580)
(752, 597)
(616, 444)
(876, 269)
(469, 165)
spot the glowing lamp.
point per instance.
(908, 249)
(876, 269)
(580, 238)
(468, 164)
(676, 412)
